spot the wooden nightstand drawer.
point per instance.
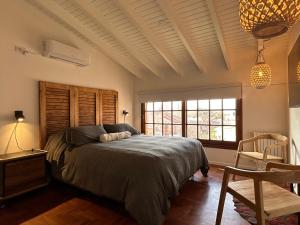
(24, 174)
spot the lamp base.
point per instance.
(269, 30)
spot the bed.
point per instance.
(143, 172)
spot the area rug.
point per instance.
(249, 215)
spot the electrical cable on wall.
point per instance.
(24, 51)
(16, 138)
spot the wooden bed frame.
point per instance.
(63, 106)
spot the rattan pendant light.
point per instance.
(268, 18)
(298, 72)
(260, 76)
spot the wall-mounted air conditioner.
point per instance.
(56, 50)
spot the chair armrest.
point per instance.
(252, 139)
(281, 166)
(242, 142)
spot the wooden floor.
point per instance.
(59, 204)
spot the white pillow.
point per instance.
(114, 136)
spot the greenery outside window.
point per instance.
(163, 118)
(215, 122)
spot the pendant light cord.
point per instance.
(260, 57)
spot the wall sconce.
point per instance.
(125, 113)
(19, 116)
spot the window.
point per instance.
(215, 122)
(163, 118)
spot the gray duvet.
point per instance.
(143, 172)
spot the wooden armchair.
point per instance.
(260, 193)
(275, 149)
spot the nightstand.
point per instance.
(22, 172)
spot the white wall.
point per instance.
(23, 25)
(294, 113)
(263, 110)
(295, 135)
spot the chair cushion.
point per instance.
(259, 156)
(277, 200)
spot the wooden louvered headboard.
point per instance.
(63, 106)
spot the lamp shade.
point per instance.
(260, 76)
(268, 18)
(19, 115)
(125, 113)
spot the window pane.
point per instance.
(167, 130)
(203, 117)
(216, 117)
(149, 117)
(215, 133)
(177, 130)
(177, 105)
(191, 131)
(203, 104)
(149, 129)
(167, 117)
(157, 130)
(167, 105)
(157, 106)
(191, 117)
(192, 105)
(203, 132)
(229, 133)
(149, 106)
(229, 103)
(216, 104)
(157, 117)
(177, 118)
(229, 117)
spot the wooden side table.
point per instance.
(21, 172)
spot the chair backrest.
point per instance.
(282, 166)
(294, 172)
(267, 139)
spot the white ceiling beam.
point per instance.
(109, 27)
(166, 5)
(216, 23)
(138, 21)
(59, 15)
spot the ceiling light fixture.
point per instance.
(260, 76)
(268, 18)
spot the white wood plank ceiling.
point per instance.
(156, 37)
